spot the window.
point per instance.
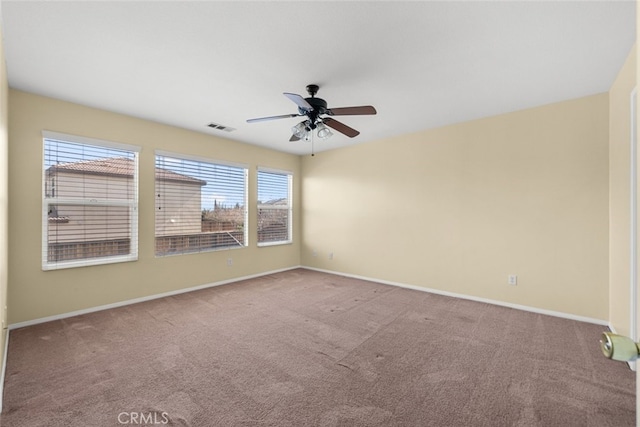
(274, 207)
(200, 205)
(90, 202)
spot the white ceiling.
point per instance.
(421, 64)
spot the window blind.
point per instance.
(274, 207)
(90, 197)
(200, 205)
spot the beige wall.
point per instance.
(461, 207)
(4, 195)
(35, 293)
(620, 195)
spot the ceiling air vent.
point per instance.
(220, 127)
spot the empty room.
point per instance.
(297, 213)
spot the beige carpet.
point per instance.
(303, 348)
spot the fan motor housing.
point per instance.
(319, 106)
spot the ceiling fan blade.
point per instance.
(352, 111)
(300, 101)
(340, 127)
(264, 119)
(294, 138)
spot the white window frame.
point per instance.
(289, 175)
(214, 162)
(47, 201)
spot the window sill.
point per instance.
(267, 244)
(49, 266)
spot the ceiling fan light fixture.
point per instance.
(299, 130)
(324, 132)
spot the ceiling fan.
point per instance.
(316, 112)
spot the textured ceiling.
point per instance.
(421, 64)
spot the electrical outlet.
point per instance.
(229, 262)
(512, 279)
(330, 255)
(314, 253)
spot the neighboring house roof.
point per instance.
(167, 175)
(118, 166)
(273, 202)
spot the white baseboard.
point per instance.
(469, 297)
(141, 299)
(355, 276)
